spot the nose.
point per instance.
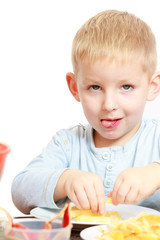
(110, 102)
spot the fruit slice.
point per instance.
(5, 214)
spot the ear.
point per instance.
(154, 88)
(72, 85)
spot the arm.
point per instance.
(135, 184)
(34, 186)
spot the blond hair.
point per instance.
(115, 35)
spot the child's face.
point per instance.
(113, 97)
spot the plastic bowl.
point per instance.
(34, 231)
(4, 150)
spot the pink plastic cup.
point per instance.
(4, 150)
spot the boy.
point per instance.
(118, 153)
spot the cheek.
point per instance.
(90, 108)
(87, 106)
(135, 108)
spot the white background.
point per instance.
(35, 47)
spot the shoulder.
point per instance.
(150, 129)
(68, 138)
(73, 133)
(151, 124)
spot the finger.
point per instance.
(92, 199)
(122, 192)
(100, 195)
(131, 196)
(138, 198)
(78, 196)
(109, 194)
(74, 199)
(82, 198)
(115, 190)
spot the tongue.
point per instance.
(108, 124)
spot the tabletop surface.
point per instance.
(75, 235)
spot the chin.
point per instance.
(110, 136)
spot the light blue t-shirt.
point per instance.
(74, 148)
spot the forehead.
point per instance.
(105, 68)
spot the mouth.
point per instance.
(111, 123)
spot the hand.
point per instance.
(135, 184)
(85, 189)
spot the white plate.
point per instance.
(91, 233)
(125, 211)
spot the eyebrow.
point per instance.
(92, 80)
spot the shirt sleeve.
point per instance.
(34, 186)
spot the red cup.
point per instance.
(4, 150)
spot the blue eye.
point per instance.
(127, 87)
(95, 87)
